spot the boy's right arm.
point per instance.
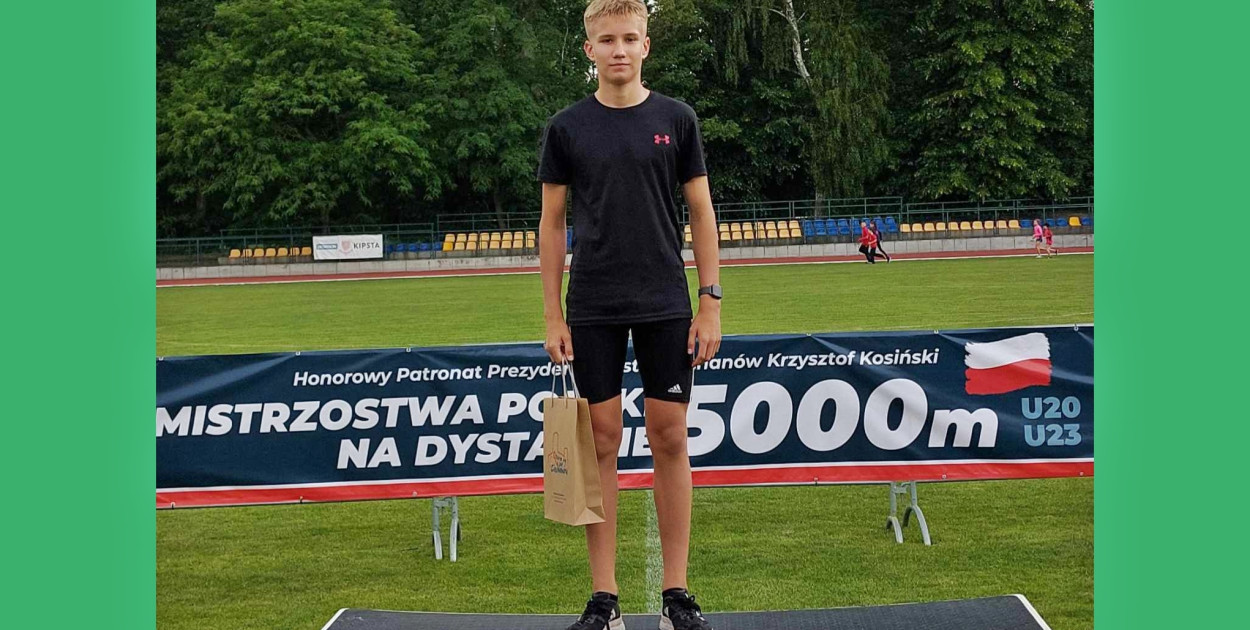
(551, 251)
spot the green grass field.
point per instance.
(751, 548)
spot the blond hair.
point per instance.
(604, 8)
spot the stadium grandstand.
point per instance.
(739, 224)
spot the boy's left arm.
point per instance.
(706, 324)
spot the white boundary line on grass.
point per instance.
(723, 264)
(655, 556)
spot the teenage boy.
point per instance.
(622, 152)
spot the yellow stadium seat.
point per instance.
(495, 237)
(1013, 224)
(484, 237)
(530, 235)
(940, 226)
(1074, 221)
(450, 245)
(234, 253)
(724, 236)
(689, 237)
(271, 252)
(977, 225)
(748, 235)
(735, 236)
(771, 225)
(471, 246)
(247, 252)
(771, 233)
(307, 251)
(1000, 224)
(494, 244)
(518, 236)
(282, 252)
(928, 227)
(794, 226)
(461, 237)
(463, 246)
(759, 226)
(917, 227)
(965, 226)
(735, 227)
(904, 228)
(472, 238)
(531, 243)
(450, 238)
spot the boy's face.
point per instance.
(617, 45)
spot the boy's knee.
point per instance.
(608, 441)
(667, 440)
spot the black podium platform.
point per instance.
(1010, 612)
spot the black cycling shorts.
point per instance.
(659, 347)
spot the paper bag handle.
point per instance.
(565, 376)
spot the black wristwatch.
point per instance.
(712, 290)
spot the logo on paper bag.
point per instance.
(557, 456)
(1005, 366)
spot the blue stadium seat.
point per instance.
(423, 246)
(1052, 223)
(844, 227)
(1087, 221)
(1026, 223)
(809, 228)
(820, 229)
(831, 227)
(412, 247)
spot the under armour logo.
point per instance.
(661, 139)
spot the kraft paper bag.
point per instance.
(572, 493)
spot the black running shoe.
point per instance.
(603, 612)
(681, 613)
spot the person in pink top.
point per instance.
(1037, 236)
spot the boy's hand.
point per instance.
(706, 329)
(559, 344)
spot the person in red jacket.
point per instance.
(867, 242)
(1050, 240)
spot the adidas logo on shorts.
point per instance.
(676, 389)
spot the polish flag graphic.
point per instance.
(1004, 366)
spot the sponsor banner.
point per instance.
(347, 247)
(776, 409)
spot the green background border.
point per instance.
(77, 182)
(77, 113)
(1170, 138)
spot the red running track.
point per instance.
(740, 262)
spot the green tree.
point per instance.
(850, 86)
(495, 83)
(299, 111)
(990, 98)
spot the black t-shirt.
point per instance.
(623, 167)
